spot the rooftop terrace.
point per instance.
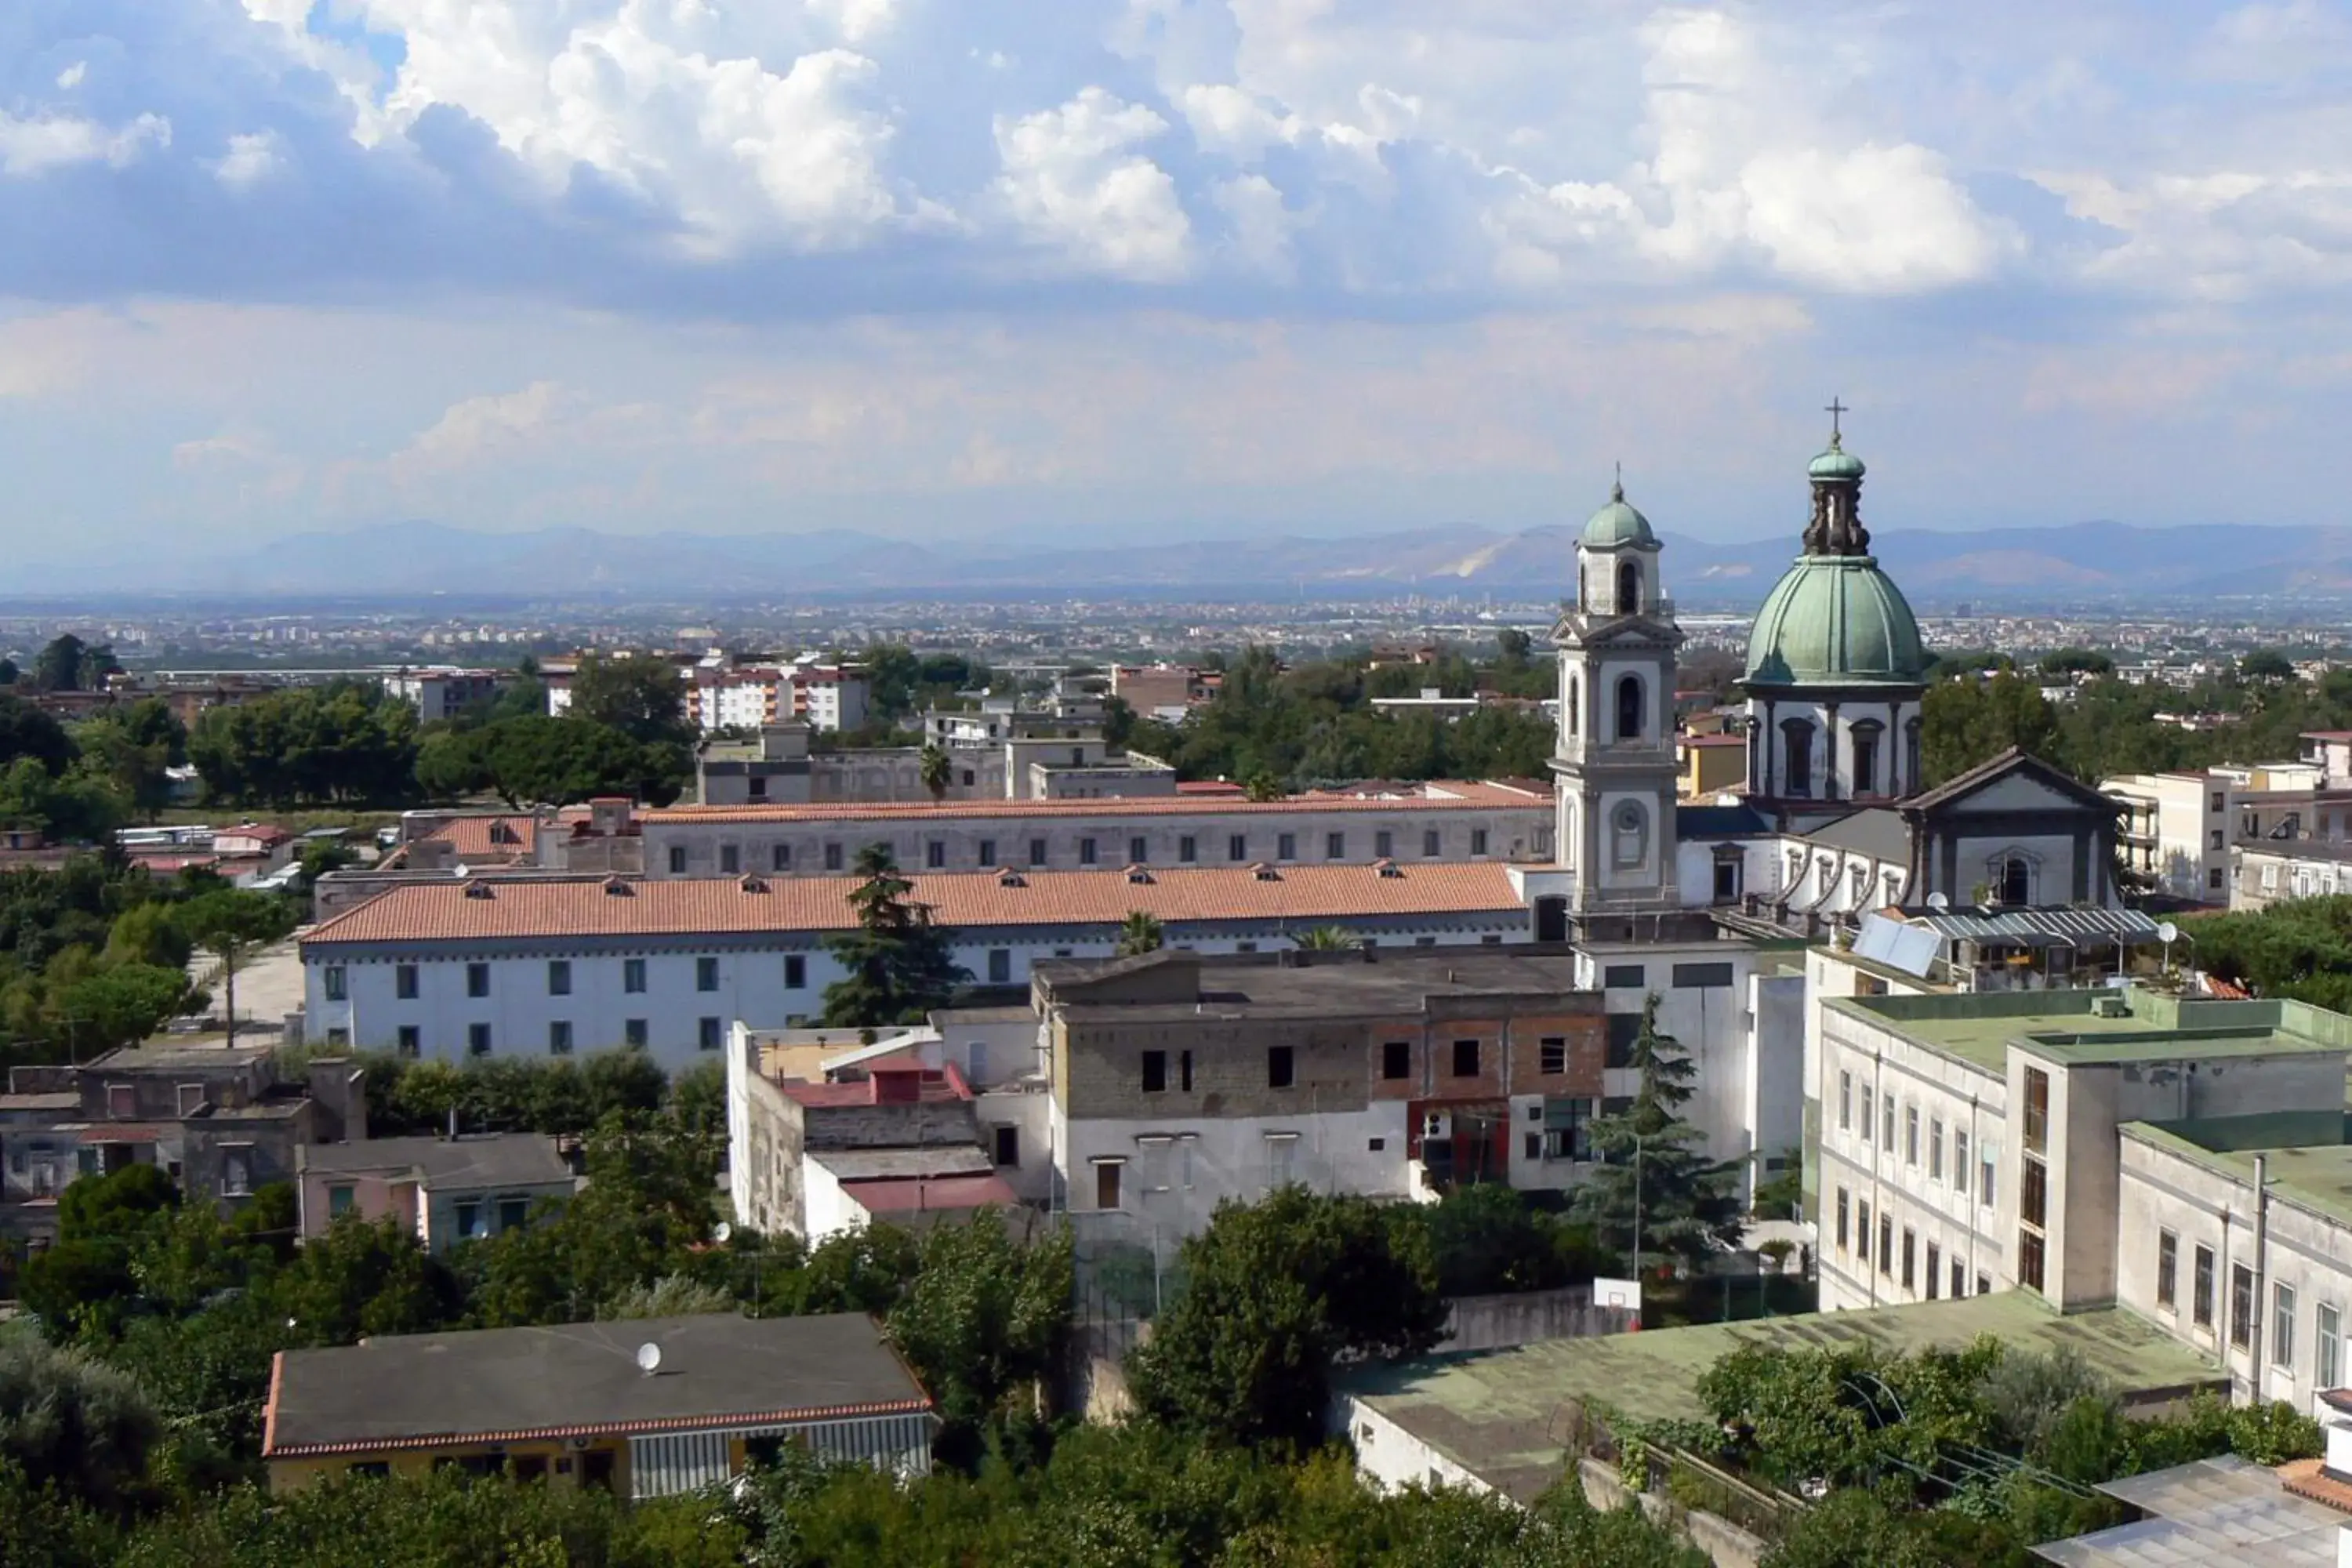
(1979, 1027)
(1506, 1416)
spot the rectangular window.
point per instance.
(677, 859)
(337, 990)
(1862, 1230)
(1036, 852)
(1477, 841)
(1886, 1242)
(1086, 851)
(1335, 847)
(1625, 1029)
(1866, 1119)
(1699, 976)
(1237, 848)
(2037, 1110)
(1383, 844)
(1552, 1056)
(477, 980)
(339, 1199)
(1466, 1059)
(1960, 1168)
(1843, 1202)
(1959, 1279)
(1935, 1275)
(236, 1172)
(1886, 1119)
(1936, 1150)
(1106, 1184)
(1155, 1071)
(1396, 1058)
(477, 1039)
(935, 855)
(1984, 1172)
(833, 857)
(2326, 1346)
(999, 967)
(2282, 1326)
(470, 1218)
(559, 1038)
(2168, 1270)
(706, 1034)
(780, 857)
(1184, 1082)
(559, 977)
(1281, 1158)
(1285, 847)
(731, 859)
(1277, 1067)
(1006, 1139)
(1532, 1146)
(403, 982)
(1625, 977)
(2033, 1193)
(1188, 850)
(512, 1213)
(2242, 1305)
(1911, 1136)
(2029, 1260)
(795, 971)
(1431, 845)
(632, 977)
(412, 1040)
(986, 853)
(634, 1034)
(1910, 1247)
(706, 975)
(1845, 1101)
(2200, 1298)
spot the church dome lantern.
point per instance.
(1617, 525)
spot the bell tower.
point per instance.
(1613, 766)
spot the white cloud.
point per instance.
(72, 76)
(46, 142)
(252, 157)
(1073, 181)
(481, 426)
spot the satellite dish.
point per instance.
(723, 1232)
(1937, 901)
(2168, 933)
(648, 1358)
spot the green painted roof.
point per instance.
(1835, 620)
(1979, 1027)
(2309, 1152)
(1505, 1415)
(1617, 524)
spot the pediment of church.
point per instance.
(2018, 791)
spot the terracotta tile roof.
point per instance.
(900, 1194)
(483, 909)
(1441, 795)
(480, 837)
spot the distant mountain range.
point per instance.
(2081, 564)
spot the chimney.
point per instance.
(608, 814)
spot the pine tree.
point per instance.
(898, 965)
(1688, 1205)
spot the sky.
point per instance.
(1144, 270)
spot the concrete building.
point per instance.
(2180, 829)
(1180, 1082)
(443, 1189)
(455, 969)
(441, 692)
(1163, 691)
(2271, 871)
(646, 1408)
(1712, 765)
(1442, 821)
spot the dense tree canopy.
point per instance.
(1653, 1173)
(900, 964)
(343, 744)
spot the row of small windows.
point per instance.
(636, 1034)
(1089, 851)
(1466, 1057)
(1904, 1122)
(1853, 1238)
(406, 981)
(1867, 737)
(2327, 1319)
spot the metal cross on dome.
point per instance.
(1837, 411)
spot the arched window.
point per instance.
(1575, 684)
(1629, 587)
(1865, 757)
(1796, 757)
(1629, 708)
(1629, 834)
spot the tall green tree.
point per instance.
(1277, 1294)
(937, 772)
(900, 964)
(641, 696)
(1139, 933)
(1653, 1172)
(26, 731)
(1965, 721)
(231, 923)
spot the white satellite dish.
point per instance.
(649, 1358)
(2167, 933)
(1938, 901)
(723, 1232)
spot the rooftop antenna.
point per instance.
(649, 1358)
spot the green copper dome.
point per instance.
(1835, 620)
(1837, 463)
(1617, 524)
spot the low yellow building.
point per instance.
(646, 1408)
(1712, 765)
